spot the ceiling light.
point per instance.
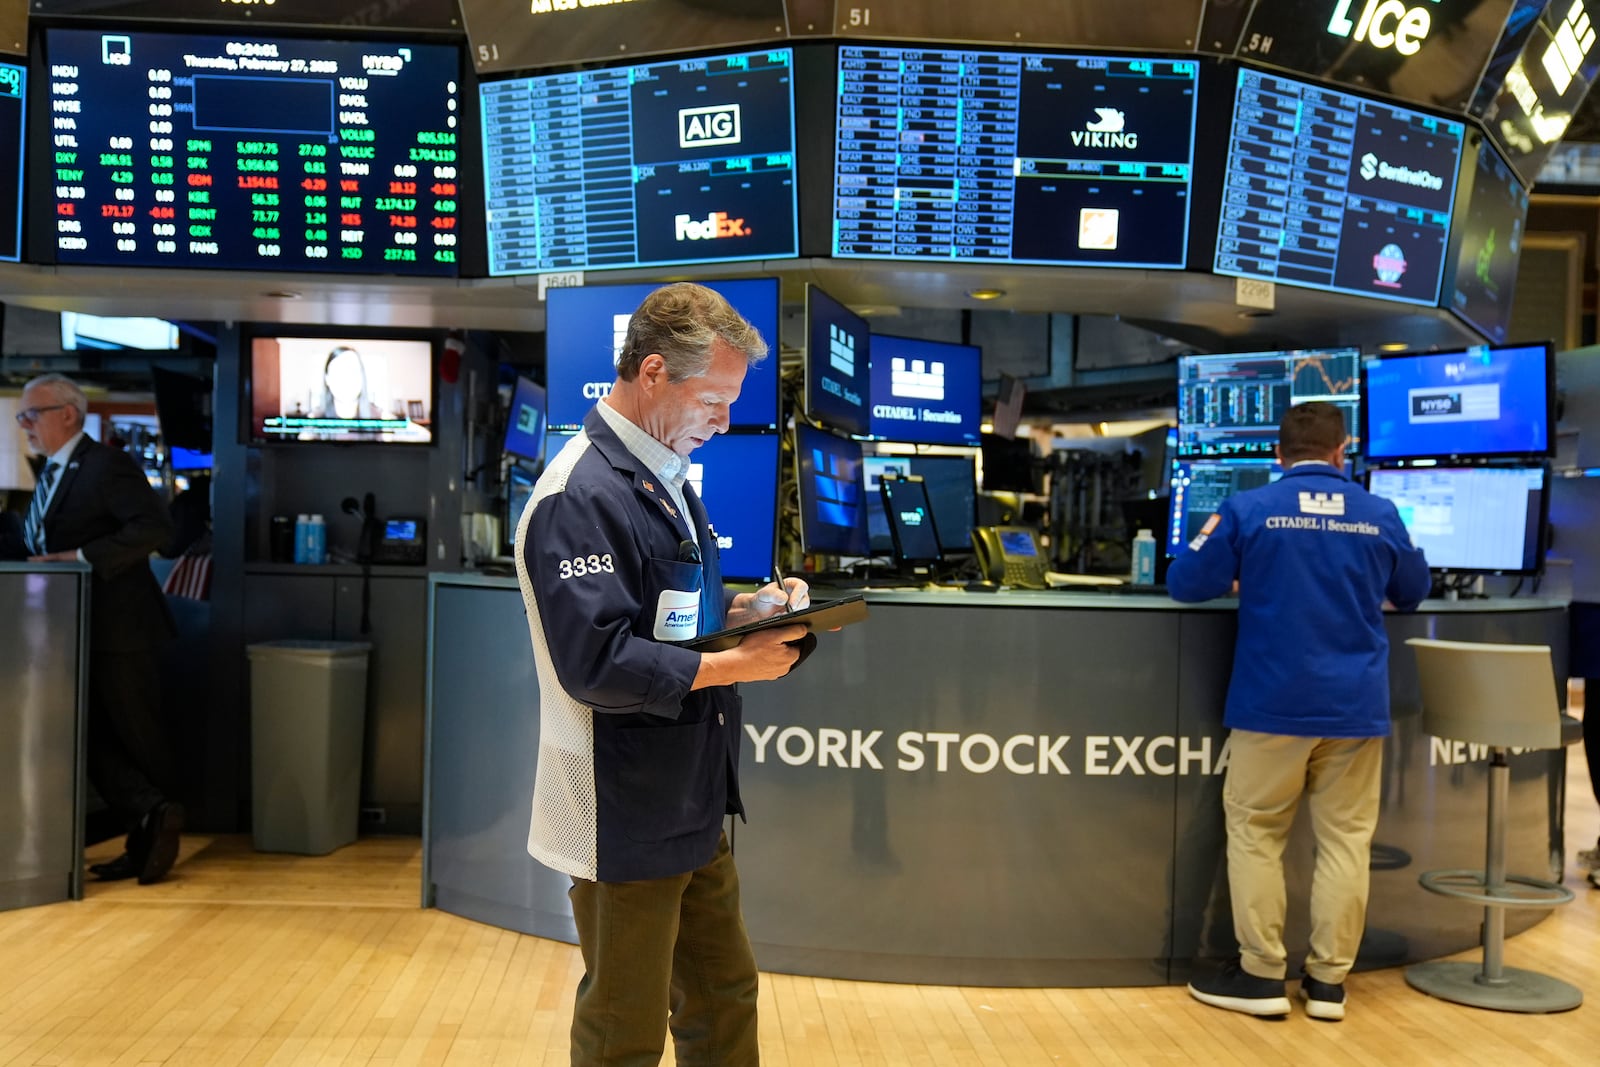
(986, 294)
(282, 294)
(1394, 346)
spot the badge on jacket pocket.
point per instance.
(677, 615)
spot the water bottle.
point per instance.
(317, 541)
(1144, 558)
(302, 524)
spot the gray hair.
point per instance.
(66, 391)
(681, 322)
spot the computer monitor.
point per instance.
(912, 526)
(1008, 465)
(736, 476)
(1483, 402)
(952, 486)
(519, 490)
(833, 514)
(585, 327)
(525, 420)
(1472, 520)
(837, 364)
(1231, 404)
(1199, 486)
(925, 392)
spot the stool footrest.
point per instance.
(1516, 989)
(1519, 891)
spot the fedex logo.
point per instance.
(701, 127)
(715, 225)
(920, 380)
(842, 351)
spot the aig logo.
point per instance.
(702, 127)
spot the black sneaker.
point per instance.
(1236, 989)
(1324, 1000)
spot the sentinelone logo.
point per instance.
(1373, 167)
(702, 127)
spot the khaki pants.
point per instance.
(670, 943)
(1267, 775)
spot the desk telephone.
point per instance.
(1009, 555)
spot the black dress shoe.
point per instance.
(115, 870)
(162, 824)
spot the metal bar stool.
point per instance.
(1502, 696)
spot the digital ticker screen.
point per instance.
(1013, 157)
(13, 106)
(253, 153)
(1230, 405)
(1331, 191)
(1489, 243)
(680, 162)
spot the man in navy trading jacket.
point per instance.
(639, 738)
(1314, 557)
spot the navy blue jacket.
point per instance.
(1315, 556)
(636, 771)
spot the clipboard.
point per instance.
(825, 616)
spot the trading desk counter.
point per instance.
(45, 613)
(986, 789)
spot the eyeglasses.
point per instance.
(28, 416)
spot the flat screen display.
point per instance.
(253, 153)
(183, 409)
(911, 521)
(1472, 519)
(1429, 53)
(1199, 486)
(112, 333)
(1230, 405)
(1332, 191)
(682, 162)
(13, 110)
(838, 364)
(310, 389)
(585, 327)
(185, 459)
(1493, 400)
(1013, 157)
(833, 513)
(952, 485)
(926, 392)
(736, 475)
(525, 420)
(521, 34)
(1488, 243)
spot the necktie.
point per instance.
(34, 529)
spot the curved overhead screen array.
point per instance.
(13, 109)
(253, 153)
(1534, 103)
(1332, 191)
(352, 16)
(1167, 25)
(689, 161)
(1013, 157)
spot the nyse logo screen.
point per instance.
(634, 166)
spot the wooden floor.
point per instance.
(243, 958)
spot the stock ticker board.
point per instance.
(253, 153)
(1332, 191)
(13, 106)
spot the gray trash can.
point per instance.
(308, 711)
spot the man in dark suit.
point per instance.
(93, 505)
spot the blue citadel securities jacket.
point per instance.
(1315, 556)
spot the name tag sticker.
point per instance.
(677, 615)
